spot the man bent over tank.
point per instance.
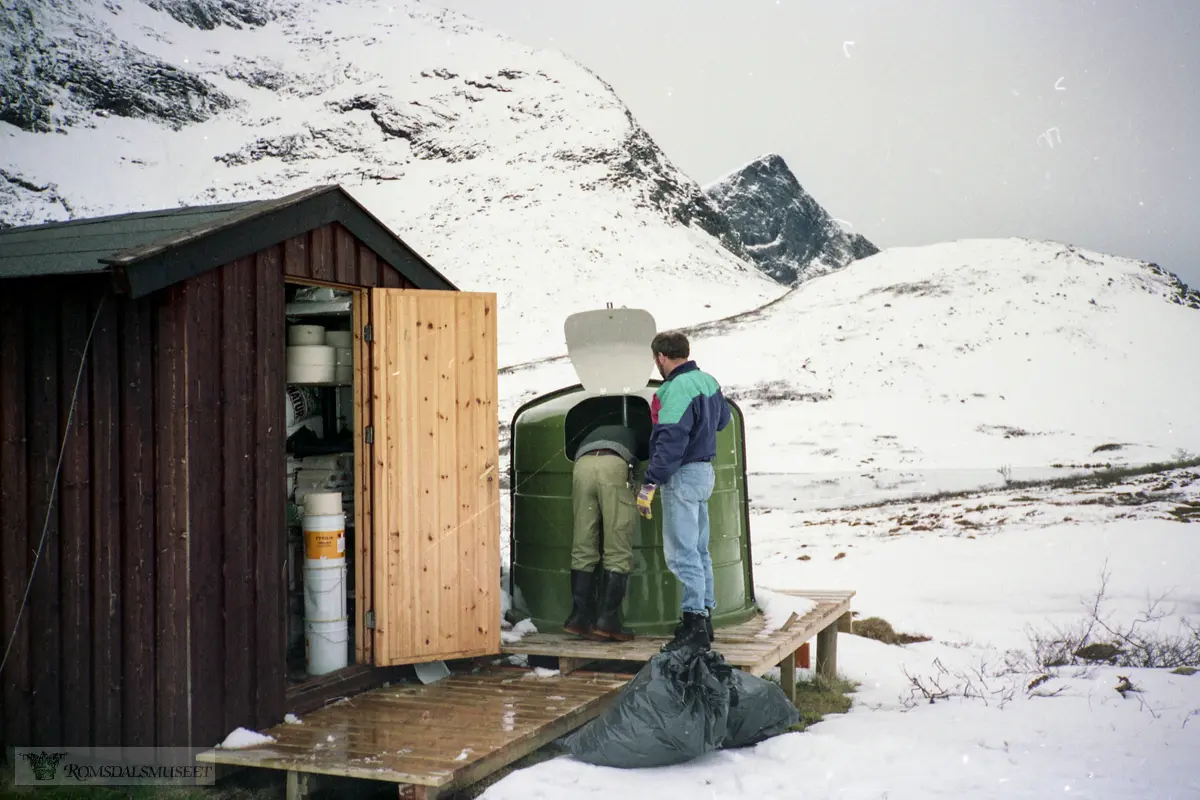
(603, 496)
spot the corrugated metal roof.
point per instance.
(78, 246)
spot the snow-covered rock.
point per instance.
(512, 170)
(784, 230)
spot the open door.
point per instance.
(436, 521)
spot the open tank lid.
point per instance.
(610, 349)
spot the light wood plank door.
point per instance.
(436, 521)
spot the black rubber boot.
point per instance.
(583, 609)
(608, 623)
(708, 626)
(691, 633)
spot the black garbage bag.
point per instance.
(758, 710)
(675, 709)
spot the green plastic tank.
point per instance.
(545, 433)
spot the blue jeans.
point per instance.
(685, 533)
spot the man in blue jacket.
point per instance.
(687, 411)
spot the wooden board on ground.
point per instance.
(439, 737)
(747, 646)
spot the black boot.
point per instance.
(691, 633)
(583, 609)
(608, 624)
(708, 626)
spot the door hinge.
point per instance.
(370, 620)
(369, 434)
(368, 334)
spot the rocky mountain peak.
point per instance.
(782, 228)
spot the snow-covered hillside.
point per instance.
(784, 230)
(937, 367)
(512, 170)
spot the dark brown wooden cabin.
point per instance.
(147, 352)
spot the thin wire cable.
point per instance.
(53, 487)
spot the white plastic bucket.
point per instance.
(311, 354)
(324, 590)
(326, 645)
(310, 373)
(323, 504)
(305, 334)
(324, 536)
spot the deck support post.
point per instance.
(846, 623)
(787, 676)
(297, 785)
(568, 665)
(827, 652)
(409, 791)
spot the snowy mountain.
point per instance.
(512, 170)
(936, 367)
(786, 232)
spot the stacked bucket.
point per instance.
(316, 355)
(326, 619)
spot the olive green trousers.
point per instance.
(603, 499)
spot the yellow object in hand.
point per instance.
(644, 499)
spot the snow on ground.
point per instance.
(1025, 562)
(512, 170)
(929, 368)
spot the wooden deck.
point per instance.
(747, 646)
(431, 739)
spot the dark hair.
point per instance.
(672, 344)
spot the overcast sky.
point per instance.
(919, 121)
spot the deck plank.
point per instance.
(444, 735)
(747, 645)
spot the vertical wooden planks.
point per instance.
(368, 266)
(205, 512)
(488, 425)
(424, 409)
(15, 724)
(239, 489)
(466, 415)
(388, 277)
(172, 669)
(363, 526)
(42, 612)
(270, 528)
(321, 252)
(345, 255)
(106, 532)
(451, 526)
(75, 517)
(296, 260)
(436, 486)
(139, 504)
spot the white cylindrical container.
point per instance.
(324, 590)
(325, 537)
(326, 645)
(323, 504)
(300, 406)
(305, 334)
(339, 338)
(317, 355)
(310, 373)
